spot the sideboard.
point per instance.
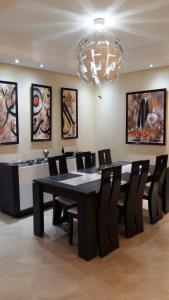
(16, 185)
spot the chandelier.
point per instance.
(99, 56)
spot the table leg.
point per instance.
(38, 210)
(57, 212)
(87, 227)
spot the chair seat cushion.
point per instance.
(120, 202)
(65, 201)
(146, 192)
(73, 211)
(123, 182)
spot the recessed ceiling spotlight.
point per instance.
(17, 61)
(41, 65)
(151, 66)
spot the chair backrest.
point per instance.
(159, 173)
(107, 210)
(52, 163)
(156, 189)
(134, 197)
(85, 160)
(104, 157)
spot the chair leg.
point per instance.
(65, 216)
(120, 215)
(57, 211)
(155, 209)
(70, 230)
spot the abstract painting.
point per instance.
(41, 112)
(145, 117)
(8, 113)
(69, 111)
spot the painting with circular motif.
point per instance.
(41, 103)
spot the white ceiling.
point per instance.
(48, 31)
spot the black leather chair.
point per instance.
(130, 202)
(60, 204)
(153, 193)
(107, 211)
(85, 160)
(104, 157)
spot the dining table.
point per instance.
(82, 186)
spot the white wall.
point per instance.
(29, 150)
(111, 114)
(101, 121)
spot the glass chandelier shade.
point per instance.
(99, 58)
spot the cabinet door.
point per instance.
(9, 189)
(26, 176)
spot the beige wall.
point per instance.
(29, 150)
(111, 114)
(101, 121)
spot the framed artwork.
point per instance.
(9, 133)
(41, 112)
(146, 117)
(69, 113)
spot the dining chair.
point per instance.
(131, 199)
(60, 204)
(104, 157)
(52, 163)
(107, 224)
(85, 160)
(153, 193)
(165, 193)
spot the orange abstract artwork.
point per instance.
(69, 113)
(145, 117)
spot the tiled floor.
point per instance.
(48, 268)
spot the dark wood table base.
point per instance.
(87, 227)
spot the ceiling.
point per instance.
(47, 31)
